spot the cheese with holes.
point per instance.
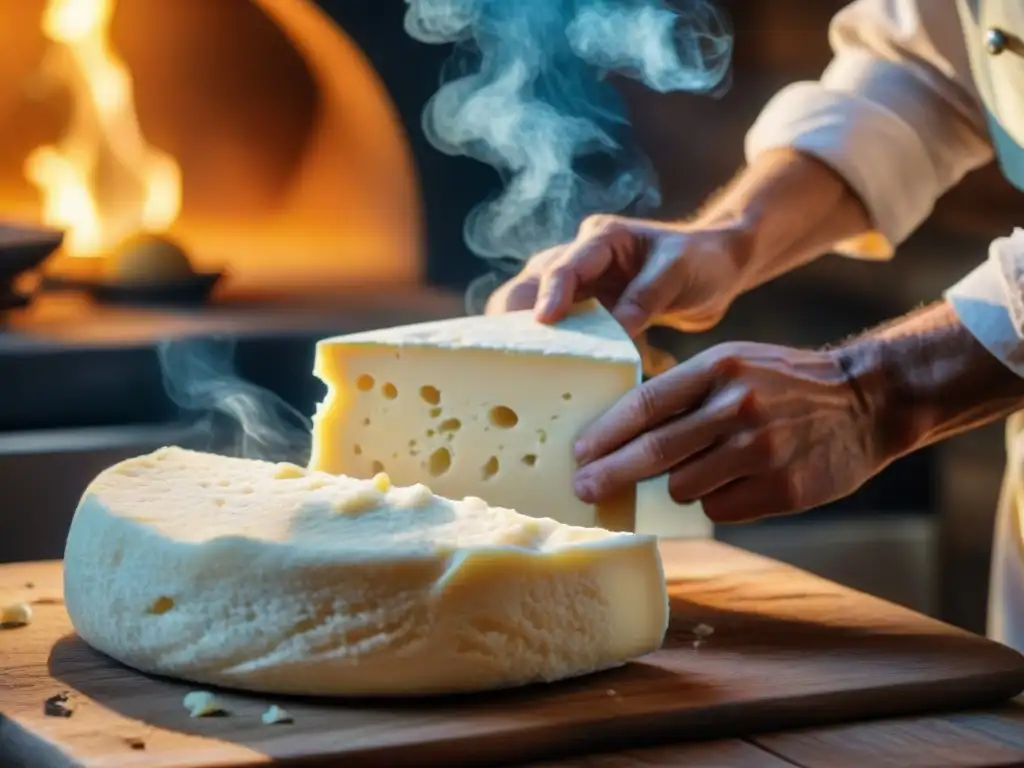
(267, 577)
(477, 406)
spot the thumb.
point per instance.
(652, 290)
(517, 294)
(569, 276)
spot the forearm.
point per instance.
(790, 209)
(925, 377)
(894, 117)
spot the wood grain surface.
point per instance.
(992, 738)
(981, 739)
(726, 753)
(788, 650)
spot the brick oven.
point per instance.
(275, 143)
(278, 140)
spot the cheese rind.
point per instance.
(484, 406)
(247, 574)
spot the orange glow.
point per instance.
(101, 182)
(254, 133)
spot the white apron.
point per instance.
(1006, 588)
(999, 78)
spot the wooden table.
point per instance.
(789, 649)
(984, 738)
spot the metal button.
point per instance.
(995, 41)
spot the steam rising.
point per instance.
(525, 92)
(240, 418)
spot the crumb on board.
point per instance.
(703, 631)
(58, 706)
(135, 742)
(276, 714)
(203, 704)
(15, 615)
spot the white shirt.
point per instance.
(910, 103)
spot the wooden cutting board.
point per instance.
(788, 649)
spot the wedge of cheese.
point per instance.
(273, 578)
(477, 406)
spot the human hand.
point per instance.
(645, 272)
(748, 429)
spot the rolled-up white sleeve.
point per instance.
(990, 301)
(895, 114)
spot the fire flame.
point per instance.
(101, 182)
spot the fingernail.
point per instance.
(542, 309)
(580, 451)
(584, 488)
(630, 318)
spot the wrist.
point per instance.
(784, 210)
(893, 421)
(926, 377)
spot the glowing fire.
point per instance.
(101, 182)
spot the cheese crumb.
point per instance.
(411, 497)
(203, 704)
(703, 630)
(289, 471)
(276, 715)
(382, 482)
(360, 500)
(521, 534)
(15, 615)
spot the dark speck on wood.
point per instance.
(57, 706)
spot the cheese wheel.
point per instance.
(273, 578)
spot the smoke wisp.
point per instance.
(239, 418)
(526, 91)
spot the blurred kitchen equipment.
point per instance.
(22, 249)
(142, 270)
